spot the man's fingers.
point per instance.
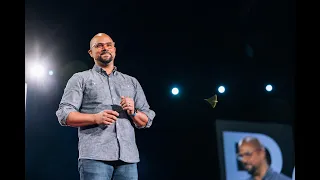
(114, 118)
(125, 105)
(124, 101)
(107, 122)
(110, 117)
(115, 113)
(128, 108)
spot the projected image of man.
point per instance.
(252, 155)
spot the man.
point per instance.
(105, 105)
(252, 154)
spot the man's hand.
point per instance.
(127, 104)
(106, 117)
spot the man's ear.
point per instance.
(90, 52)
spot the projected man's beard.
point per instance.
(252, 170)
(105, 58)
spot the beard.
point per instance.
(252, 170)
(105, 58)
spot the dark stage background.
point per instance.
(194, 45)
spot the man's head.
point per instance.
(102, 49)
(252, 154)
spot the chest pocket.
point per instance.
(127, 90)
(94, 90)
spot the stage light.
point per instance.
(37, 71)
(175, 91)
(50, 72)
(221, 89)
(269, 88)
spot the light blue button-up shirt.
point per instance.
(93, 91)
(273, 175)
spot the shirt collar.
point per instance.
(100, 70)
(268, 173)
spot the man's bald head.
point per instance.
(99, 35)
(251, 141)
(251, 154)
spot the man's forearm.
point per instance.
(140, 119)
(77, 119)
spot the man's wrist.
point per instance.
(135, 111)
(94, 118)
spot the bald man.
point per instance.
(252, 154)
(106, 106)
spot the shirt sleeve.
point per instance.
(71, 99)
(142, 105)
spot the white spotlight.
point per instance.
(50, 72)
(221, 89)
(37, 71)
(175, 91)
(269, 87)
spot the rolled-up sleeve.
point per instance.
(142, 105)
(71, 99)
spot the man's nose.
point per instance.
(244, 160)
(104, 47)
